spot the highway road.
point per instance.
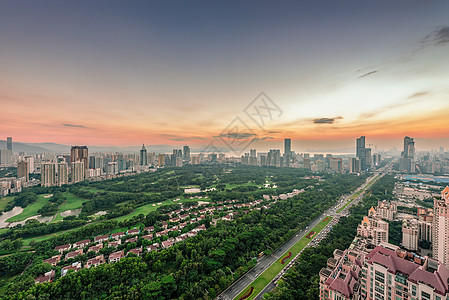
(266, 261)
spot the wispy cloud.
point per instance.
(410, 99)
(237, 135)
(264, 138)
(326, 120)
(367, 74)
(439, 36)
(73, 125)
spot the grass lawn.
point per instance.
(4, 201)
(145, 209)
(267, 276)
(30, 210)
(72, 202)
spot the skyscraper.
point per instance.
(63, 173)
(48, 174)
(77, 171)
(143, 156)
(80, 153)
(23, 170)
(186, 151)
(287, 152)
(361, 152)
(440, 239)
(9, 143)
(406, 163)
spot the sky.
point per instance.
(179, 73)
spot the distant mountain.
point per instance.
(35, 148)
(27, 148)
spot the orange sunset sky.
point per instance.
(111, 73)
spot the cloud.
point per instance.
(237, 135)
(179, 138)
(439, 36)
(257, 139)
(409, 100)
(367, 74)
(418, 94)
(73, 125)
(326, 120)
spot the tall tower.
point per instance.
(77, 171)
(48, 174)
(9, 143)
(143, 156)
(287, 151)
(361, 152)
(440, 238)
(63, 173)
(186, 152)
(23, 170)
(406, 163)
(80, 153)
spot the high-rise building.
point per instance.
(80, 154)
(48, 174)
(5, 156)
(23, 170)
(63, 173)
(252, 160)
(382, 272)
(377, 159)
(336, 164)
(186, 151)
(306, 163)
(369, 158)
(361, 152)
(354, 165)
(143, 156)
(179, 161)
(410, 235)
(77, 171)
(112, 168)
(161, 160)
(9, 143)
(440, 239)
(287, 152)
(373, 228)
(407, 160)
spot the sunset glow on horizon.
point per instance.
(105, 73)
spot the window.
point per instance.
(425, 296)
(413, 290)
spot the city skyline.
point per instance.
(161, 74)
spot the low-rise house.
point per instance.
(95, 248)
(131, 240)
(148, 237)
(101, 238)
(161, 233)
(181, 238)
(153, 247)
(175, 220)
(183, 217)
(167, 244)
(54, 260)
(182, 225)
(75, 266)
(96, 261)
(81, 244)
(164, 225)
(63, 248)
(114, 243)
(116, 256)
(47, 277)
(133, 231)
(74, 254)
(174, 228)
(136, 251)
(117, 235)
(149, 229)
